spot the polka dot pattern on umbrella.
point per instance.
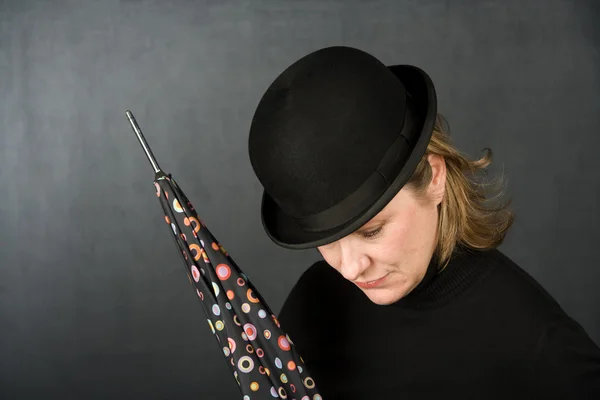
(261, 356)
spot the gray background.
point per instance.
(94, 301)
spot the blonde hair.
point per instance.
(468, 215)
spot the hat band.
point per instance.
(371, 189)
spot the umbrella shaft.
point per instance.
(142, 140)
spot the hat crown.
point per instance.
(323, 126)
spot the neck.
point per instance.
(437, 287)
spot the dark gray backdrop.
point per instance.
(94, 301)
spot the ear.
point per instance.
(437, 185)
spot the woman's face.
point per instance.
(389, 255)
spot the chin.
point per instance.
(384, 297)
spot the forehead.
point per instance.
(394, 206)
(378, 218)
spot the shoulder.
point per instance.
(510, 298)
(519, 291)
(567, 362)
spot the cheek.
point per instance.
(392, 248)
(404, 227)
(401, 240)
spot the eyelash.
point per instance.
(373, 233)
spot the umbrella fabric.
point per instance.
(260, 354)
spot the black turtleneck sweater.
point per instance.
(480, 329)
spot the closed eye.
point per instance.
(372, 233)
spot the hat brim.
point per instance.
(283, 230)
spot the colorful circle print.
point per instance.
(250, 331)
(261, 355)
(283, 343)
(223, 272)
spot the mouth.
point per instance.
(371, 284)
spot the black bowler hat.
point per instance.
(333, 140)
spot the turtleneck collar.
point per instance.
(466, 267)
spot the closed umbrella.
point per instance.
(261, 356)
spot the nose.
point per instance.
(352, 262)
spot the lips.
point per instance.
(371, 284)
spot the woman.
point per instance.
(412, 299)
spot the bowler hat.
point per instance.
(333, 139)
